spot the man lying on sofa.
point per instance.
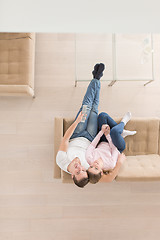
(71, 154)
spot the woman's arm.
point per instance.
(92, 146)
(96, 139)
(114, 151)
(68, 133)
(112, 174)
(99, 135)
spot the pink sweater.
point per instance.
(106, 151)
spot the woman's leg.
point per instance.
(116, 136)
(116, 130)
(104, 118)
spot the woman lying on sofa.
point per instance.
(104, 153)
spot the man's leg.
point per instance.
(88, 100)
(92, 127)
(91, 99)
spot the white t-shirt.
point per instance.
(77, 148)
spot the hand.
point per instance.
(79, 118)
(104, 127)
(107, 131)
(121, 158)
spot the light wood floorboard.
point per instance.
(33, 205)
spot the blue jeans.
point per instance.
(89, 128)
(115, 132)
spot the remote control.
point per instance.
(84, 111)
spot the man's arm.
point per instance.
(112, 174)
(68, 134)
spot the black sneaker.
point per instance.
(100, 70)
(95, 69)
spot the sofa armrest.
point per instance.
(159, 139)
(16, 90)
(31, 46)
(58, 135)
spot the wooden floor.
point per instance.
(33, 205)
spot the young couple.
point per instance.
(85, 154)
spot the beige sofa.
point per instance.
(17, 57)
(142, 150)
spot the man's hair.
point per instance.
(81, 183)
(94, 178)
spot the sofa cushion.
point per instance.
(146, 139)
(142, 167)
(16, 58)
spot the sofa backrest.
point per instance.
(159, 140)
